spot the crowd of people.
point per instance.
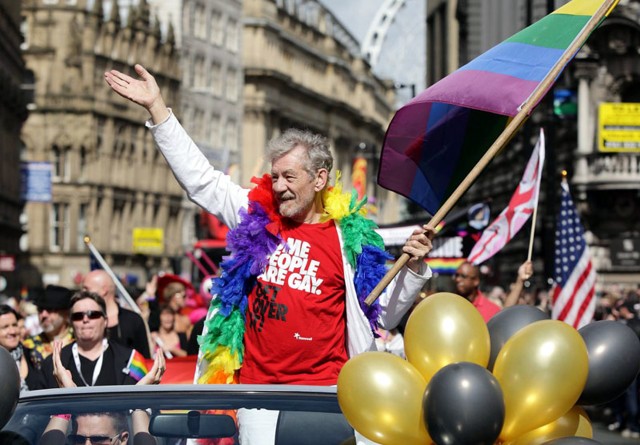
(84, 337)
(622, 304)
(290, 300)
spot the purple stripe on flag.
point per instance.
(398, 162)
(455, 89)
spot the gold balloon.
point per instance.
(585, 429)
(542, 370)
(575, 423)
(445, 328)
(380, 395)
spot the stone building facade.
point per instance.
(604, 185)
(107, 176)
(302, 68)
(212, 79)
(250, 70)
(13, 112)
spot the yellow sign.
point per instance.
(148, 240)
(619, 127)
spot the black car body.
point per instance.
(308, 414)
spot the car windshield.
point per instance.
(173, 414)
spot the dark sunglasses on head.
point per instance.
(78, 439)
(91, 315)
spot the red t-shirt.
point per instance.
(296, 316)
(486, 307)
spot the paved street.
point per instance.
(605, 437)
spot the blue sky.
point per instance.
(403, 52)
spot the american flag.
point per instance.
(575, 278)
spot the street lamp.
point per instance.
(412, 86)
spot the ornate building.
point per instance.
(604, 180)
(606, 159)
(108, 179)
(212, 78)
(302, 68)
(13, 112)
(250, 70)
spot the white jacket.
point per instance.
(216, 193)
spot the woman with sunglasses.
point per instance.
(93, 360)
(10, 340)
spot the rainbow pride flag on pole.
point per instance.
(435, 140)
(137, 366)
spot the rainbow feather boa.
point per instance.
(251, 243)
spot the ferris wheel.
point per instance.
(394, 44)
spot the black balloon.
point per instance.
(9, 386)
(572, 441)
(614, 360)
(463, 404)
(506, 323)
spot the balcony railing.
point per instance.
(609, 171)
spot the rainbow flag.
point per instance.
(137, 366)
(444, 266)
(435, 140)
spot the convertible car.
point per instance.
(177, 414)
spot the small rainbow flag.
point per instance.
(435, 140)
(136, 366)
(446, 266)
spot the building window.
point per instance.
(117, 220)
(24, 30)
(216, 79)
(200, 31)
(199, 73)
(186, 70)
(198, 124)
(232, 36)
(133, 144)
(60, 162)
(217, 33)
(119, 141)
(83, 160)
(187, 19)
(81, 225)
(100, 126)
(231, 136)
(231, 92)
(59, 235)
(216, 131)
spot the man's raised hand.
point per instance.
(143, 91)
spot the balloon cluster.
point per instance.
(518, 380)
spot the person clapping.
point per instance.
(93, 360)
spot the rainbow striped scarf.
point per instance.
(256, 237)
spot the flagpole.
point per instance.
(533, 228)
(535, 208)
(517, 121)
(123, 291)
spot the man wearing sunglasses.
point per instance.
(99, 429)
(93, 360)
(467, 282)
(103, 428)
